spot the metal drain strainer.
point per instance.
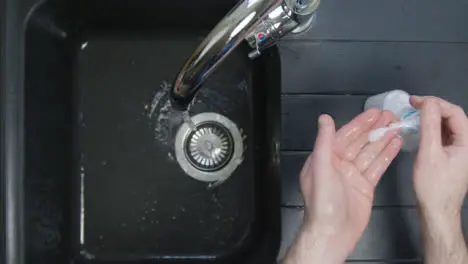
(209, 148)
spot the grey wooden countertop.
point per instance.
(358, 48)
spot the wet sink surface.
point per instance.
(102, 181)
(137, 200)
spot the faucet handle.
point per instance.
(270, 30)
(280, 21)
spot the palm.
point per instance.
(358, 193)
(339, 178)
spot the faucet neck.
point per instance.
(261, 22)
(222, 40)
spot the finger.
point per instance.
(323, 148)
(351, 131)
(353, 150)
(431, 125)
(306, 170)
(379, 166)
(372, 150)
(325, 138)
(456, 120)
(416, 101)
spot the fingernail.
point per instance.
(324, 120)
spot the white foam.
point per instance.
(377, 134)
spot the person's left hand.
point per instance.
(338, 182)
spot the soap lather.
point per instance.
(397, 101)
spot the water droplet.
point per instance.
(84, 45)
(242, 85)
(170, 156)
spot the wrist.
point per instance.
(440, 207)
(319, 244)
(445, 227)
(447, 218)
(443, 238)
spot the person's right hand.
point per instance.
(441, 168)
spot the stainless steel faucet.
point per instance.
(261, 23)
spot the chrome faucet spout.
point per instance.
(260, 22)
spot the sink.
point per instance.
(101, 181)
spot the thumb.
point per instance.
(325, 138)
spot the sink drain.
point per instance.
(209, 148)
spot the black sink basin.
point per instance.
(101, 184)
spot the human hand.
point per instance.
(441, 169)
(441, 179)
(338, 182)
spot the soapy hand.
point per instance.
(441, 167)
(338, 182)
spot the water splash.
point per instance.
(165, 120)
(160, 96)
(187, 119)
